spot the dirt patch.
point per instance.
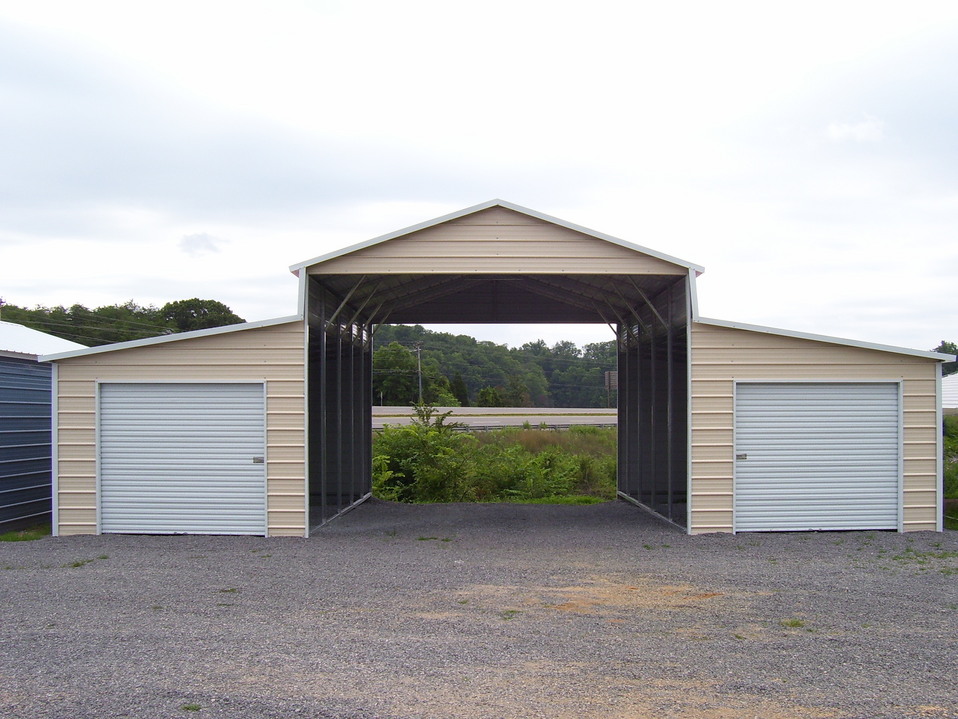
(601, 596)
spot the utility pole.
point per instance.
(418, 348)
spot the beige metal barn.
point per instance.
(264, 428)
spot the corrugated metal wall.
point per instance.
(722, 355)
(24, 443)
(653, 405)
(273, 354)
(340, 406)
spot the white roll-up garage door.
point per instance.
(812, 456)
(182, 458)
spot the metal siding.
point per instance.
(25, 474)
(179, 458)
(497, 241)
(819, 456)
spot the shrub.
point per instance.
(431, 460)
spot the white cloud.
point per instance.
(871, 129)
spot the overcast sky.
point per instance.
(806, 153)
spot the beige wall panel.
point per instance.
(708, 521)
(921, 497)
(497, 243)
(351, 264)
(713, 485)
(76, 404)
(69, 530)
(281, 389)
(188, 373)
(274, 354)
(708, 502)
(915, 401)
(74, 484)
(286, 532)
(282, 521)
(287, 503)
(286, 437)
(711, 420)
(924, 467)
(496, 216)
(70, 437)
(286, 486)
(711, 468)
(921, 433)
(285, 454)
(712, 453)
(285, 404)
(711, 436)
(77, 500)
(722, 355)
(285, 421)
(83, 466)
(786, 372)
(921, 519)
(918, 451)
(278, 470)
(78, 517)
(712, 403)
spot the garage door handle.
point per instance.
(743, 455)
(258, 460)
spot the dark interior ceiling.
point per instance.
(494, 299)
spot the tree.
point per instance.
(489, 397)
(197, 314)
(459, 390)
(395, 379)
(948, 348)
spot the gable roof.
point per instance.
(20, 340)
(295, 269)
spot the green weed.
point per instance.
(792, 623)
(26, 535)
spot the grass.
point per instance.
(792, 623)
(26, 535)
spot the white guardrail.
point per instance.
(487, 418)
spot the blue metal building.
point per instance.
(25, 441)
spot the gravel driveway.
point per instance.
(482, 611)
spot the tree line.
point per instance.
(120, 323)
(458, 370)
(454, 370)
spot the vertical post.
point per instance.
(418, 347)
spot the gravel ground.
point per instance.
(482, 611)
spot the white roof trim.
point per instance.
(175, 337)
(825, 338)
(485, 206)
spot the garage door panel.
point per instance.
(816, 456)
(182, 458)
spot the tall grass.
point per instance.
(431, 460)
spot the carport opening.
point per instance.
(647, 316)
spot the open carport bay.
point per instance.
(484, 611)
